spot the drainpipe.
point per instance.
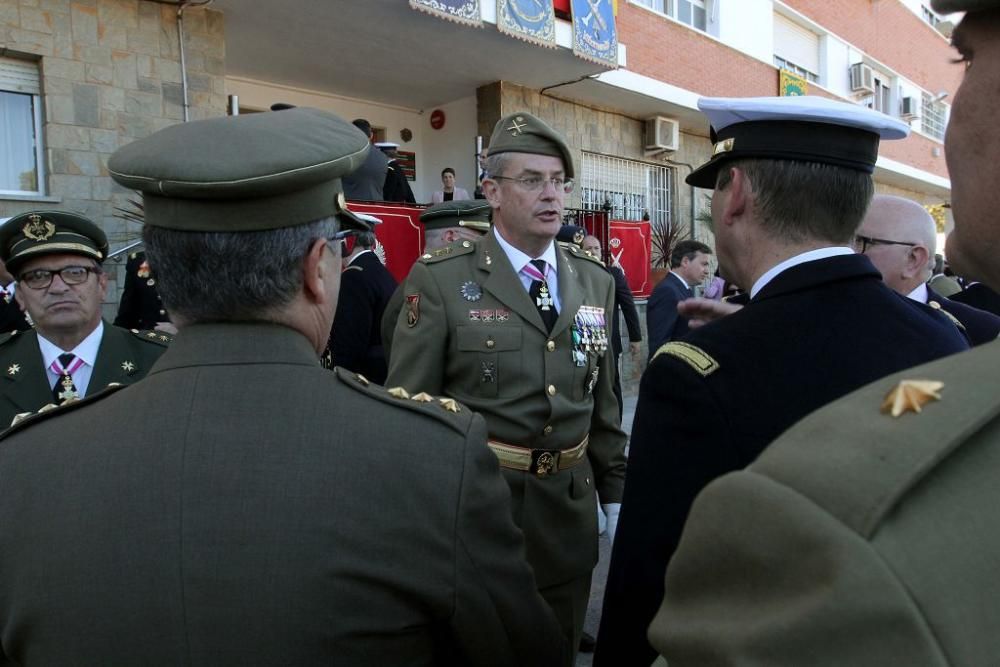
(184, 78)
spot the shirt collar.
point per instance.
(683, 282)
(919, 294)
(518, 259)
(86, 350)
(809, 256)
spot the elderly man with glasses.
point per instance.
(899, 237)
(56, 256)
(517, 327)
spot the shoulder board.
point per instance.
(692, 355)
(149, 336)
(577, 251)
(9, 336)
(937, 306)
(26, 419)
(352, 267)
(442, 408)
(456, 249)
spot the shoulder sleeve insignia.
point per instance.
(26, 419)
(456, 249)
(692, 355)
(954, 320)
(443, 409)
(150, 336)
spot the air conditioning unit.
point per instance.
(661, 134)
(862, 78)
(909, 108)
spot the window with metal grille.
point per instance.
(692, 12)
(21, 163)
(632, 189)
(932, 117)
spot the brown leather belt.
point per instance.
(542, 462)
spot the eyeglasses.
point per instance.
(71, 275)
(862, 243)
(536, 183)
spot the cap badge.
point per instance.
(471, 291)
(910, 395)
(578, 237)
(517, 126)
(723, 147)
(37, 229)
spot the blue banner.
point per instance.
(461, 11)
(531, 20)
(595, 35)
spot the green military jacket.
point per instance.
(123, 357)
(469, 330)
(855, 539)
(389, 319)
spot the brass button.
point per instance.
(163, 312)
(587, 481)
(490, 343)
(550, 346)
(552, 390)
(466, 244)
(547, 430)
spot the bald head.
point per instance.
(910, 261)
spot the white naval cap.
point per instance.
(803, 128)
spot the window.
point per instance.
(796, 49)
(880, 101)
(929, 15)
(692, 12)
(21, 163)
(632, 188)
(932, 117)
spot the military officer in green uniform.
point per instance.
(242, 505)
(56, 257)
(444, 223)
(867, 534)
(516, 327)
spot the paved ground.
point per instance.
(601, 571)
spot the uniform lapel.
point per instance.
(503, 282)
(570, 292)
(29, 383)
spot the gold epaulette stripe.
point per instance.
(692, 355)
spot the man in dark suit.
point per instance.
(899, 237)
(689, 266)
(242, 505)
(866, 537)
(624, 305)
(367, 181)
(365, 289)
(820, 322)
(11, 316)
(140, 306)
(72, 352)
(397, 187)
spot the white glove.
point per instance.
(611, 512)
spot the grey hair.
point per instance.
(495, 164)
(797, 201)
(231, 276)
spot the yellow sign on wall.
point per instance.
(791, 85)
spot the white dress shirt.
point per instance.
(518, 259)
(86, 350)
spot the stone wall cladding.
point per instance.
(110, 74)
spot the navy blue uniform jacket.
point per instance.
(980, 326)
(816, 332)
(979, 296)
(356, 338)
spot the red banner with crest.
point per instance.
(629, 247)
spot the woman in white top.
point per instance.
(450, 192)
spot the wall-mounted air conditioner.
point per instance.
(862, 78)
(661, 134)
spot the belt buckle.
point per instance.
(544, 462)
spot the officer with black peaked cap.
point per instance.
(244, 505)
(56, 258)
